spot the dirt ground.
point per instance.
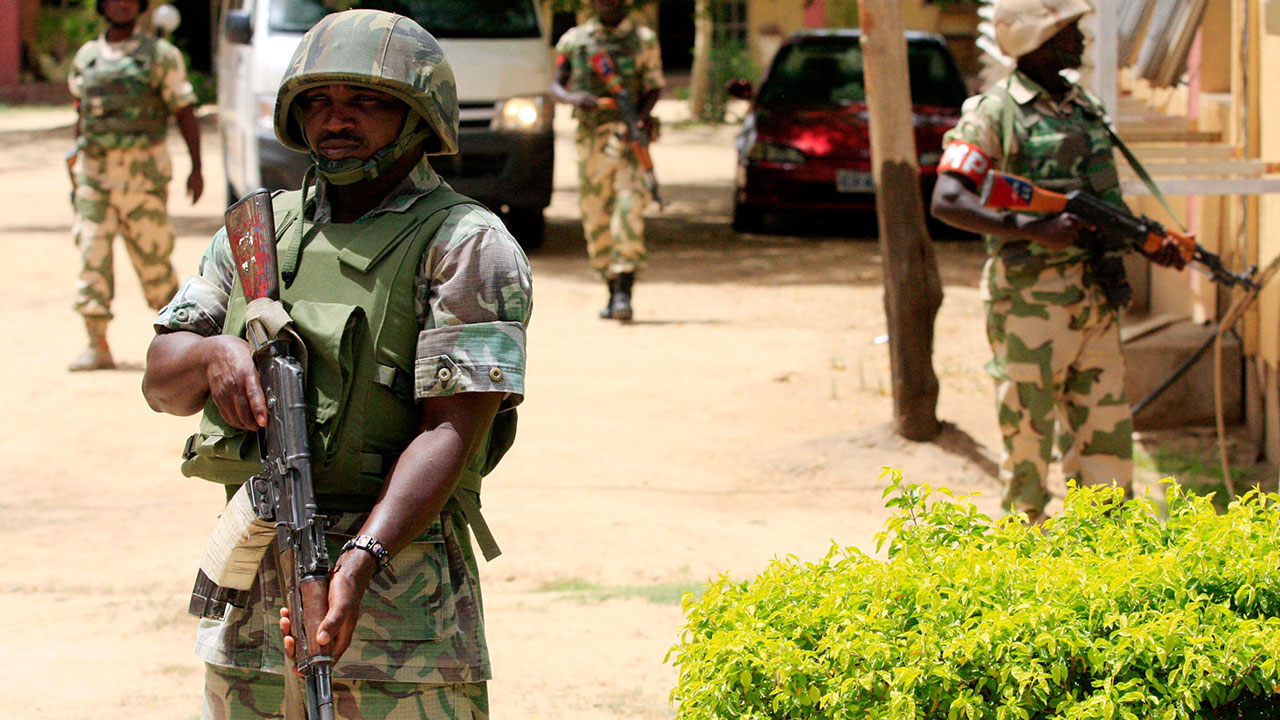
(744, 416)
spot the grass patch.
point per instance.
(586, 592)
(1198, 470)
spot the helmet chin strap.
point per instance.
(353, 170)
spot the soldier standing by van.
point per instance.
(1052, 306)
(126, 85)
(412, 301)
(613, 192)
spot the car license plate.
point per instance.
(854, 181)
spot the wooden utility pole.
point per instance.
(913, 288)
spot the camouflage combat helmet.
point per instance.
(1024, 25)
(383, 51)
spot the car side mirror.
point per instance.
(239, 28)
(739, 88)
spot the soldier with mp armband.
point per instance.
(1052, 295)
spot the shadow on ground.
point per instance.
(693, 241)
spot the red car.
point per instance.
(805, 144)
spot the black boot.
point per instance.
(607, 312)
(620, 301)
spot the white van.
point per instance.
(503, 65)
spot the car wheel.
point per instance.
(527, 225)
(747, 219)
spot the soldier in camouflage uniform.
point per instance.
(412, 300)
(126, 85)
(613, 193)
(1053, 330)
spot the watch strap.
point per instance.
(371, 545)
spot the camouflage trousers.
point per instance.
(235, 694)
(613, 199)
(123, 191)
(1059, 376)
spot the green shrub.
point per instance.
(1107, 611)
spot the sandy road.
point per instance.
(744, 416)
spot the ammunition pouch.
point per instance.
(1106, 266)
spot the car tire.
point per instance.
(747, 219)
(527, 225)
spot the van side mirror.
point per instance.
(239, 28)
(739, 88)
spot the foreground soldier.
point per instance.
(413, 303)
(613, 192)
(1053, 331)
(126, 85)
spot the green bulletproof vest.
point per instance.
(1059, 154)
(119, 106)
(352, 302)
(624, 49)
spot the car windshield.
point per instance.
(827, 71)
(442, 18)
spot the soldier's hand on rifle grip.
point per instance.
(1056, 231)
(585, 101)
(651, 126)
(233, 381)
(1169, 254)
(347, 584)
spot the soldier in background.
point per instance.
(412, 301)
(613, 193)
(126, 85)
(1055, 336)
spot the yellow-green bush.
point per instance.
(1108, 611)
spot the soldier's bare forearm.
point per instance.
(428, 469)
(174, 381)
(189, 126)
(184, 368)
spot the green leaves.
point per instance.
(1108, 611)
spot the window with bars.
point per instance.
(729, 21)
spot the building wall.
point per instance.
(771, 21)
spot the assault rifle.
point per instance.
(1115, 225)
(283, 495)
(622, 101)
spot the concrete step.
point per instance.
(1153, 357)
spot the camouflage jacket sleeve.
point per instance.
(75, 78)
(171, 77)
(980, 126)
(200, 306)
(567, 42)
(650, 61)
(475, 295)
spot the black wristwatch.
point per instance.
(371, 545)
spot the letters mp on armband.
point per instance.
(965, 160)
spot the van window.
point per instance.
(442, 18)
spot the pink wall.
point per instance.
(10, 43)
(815, 15)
